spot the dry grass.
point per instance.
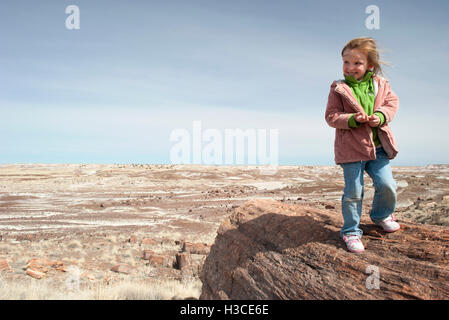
(32, 289)
(94, 257)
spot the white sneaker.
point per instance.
(353, 243)
(389, 225)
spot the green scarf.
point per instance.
(363, 91)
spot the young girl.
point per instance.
(360, 109)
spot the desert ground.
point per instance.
(75, 231)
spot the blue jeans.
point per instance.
(384, 201)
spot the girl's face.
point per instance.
(355, 63)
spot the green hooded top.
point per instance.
(363, 91)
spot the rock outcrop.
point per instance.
(39, 267)
(271, 250)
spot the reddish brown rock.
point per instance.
(35, 273)
(61, 268)
(122, 268)
(149, 241)
(132, 239)
(183, 260)
(4, 265)
(158, 260)
(37, 264)
(147, 254)
(271, 250)
(58, 265)
(196, 248)
(43, 265)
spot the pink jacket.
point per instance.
(356, 144)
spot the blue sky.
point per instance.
(114, 90)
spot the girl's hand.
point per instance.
(373, 120)
(361, 117)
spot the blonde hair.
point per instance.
(369, 47)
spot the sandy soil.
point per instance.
(85, 215)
